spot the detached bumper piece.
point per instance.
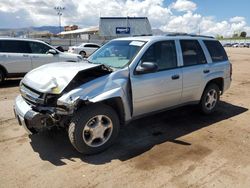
(32, 121)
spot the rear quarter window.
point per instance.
(216, 51)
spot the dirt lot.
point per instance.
(178, 148)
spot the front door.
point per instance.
(161, 89)
(39, 55)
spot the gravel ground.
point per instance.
(177, 148)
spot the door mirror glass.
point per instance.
(52, 51)
(146, 67)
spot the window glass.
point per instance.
(38, 48)
(116, 53)
(12, 46)
(163, 54)
(192, 53)
(216, 50)
(91, 46)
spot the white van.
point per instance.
(19, 56)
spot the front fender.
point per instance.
(114, 93)
(110, 86)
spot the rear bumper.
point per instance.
(28, 118)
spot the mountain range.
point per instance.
(22, 31)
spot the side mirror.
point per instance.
(52, 51)
(146, 67)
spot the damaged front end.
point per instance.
(37, 107)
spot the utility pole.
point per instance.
(59, 10)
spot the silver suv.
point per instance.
(19, 56)
(125, 79)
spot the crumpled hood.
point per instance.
(54, 77)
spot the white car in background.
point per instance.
(19, 56)
(84, 49)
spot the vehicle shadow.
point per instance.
(138, 137)
(10, 83)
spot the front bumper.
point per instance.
(31, 120)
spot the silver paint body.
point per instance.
(150, 92)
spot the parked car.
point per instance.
(125, 79)
(227, 45)
(235, 45)
(19, 56)
(241, 45)
(246, 45)
(84, 49)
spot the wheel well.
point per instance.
(218, 81)
(82, 51)
(116, 104)
(4, 70)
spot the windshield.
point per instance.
(116, 54)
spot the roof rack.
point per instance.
(187, 34)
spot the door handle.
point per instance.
(206, 71)
(24, 55)
(175, 77)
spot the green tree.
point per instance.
(243, 34)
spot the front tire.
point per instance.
(210, 99)
(93, 128)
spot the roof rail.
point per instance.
(187, 34)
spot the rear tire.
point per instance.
(210, 99)
(93, 128)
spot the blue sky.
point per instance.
(224, 9)
(212, 17)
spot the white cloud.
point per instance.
(184, 5)
(185, 23)
(237, 19)
(86, 13)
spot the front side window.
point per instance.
(12, 46)
(216, 50)
(38, 48)
(192, 53)
(116, 54)
(163, 54)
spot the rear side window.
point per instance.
(216, 50)
(12, 46)
(192, 53)
(39, 48)
(91, 46)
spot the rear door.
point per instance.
(15, 56)
(161, 89)
(194, 69)
(39, 55)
